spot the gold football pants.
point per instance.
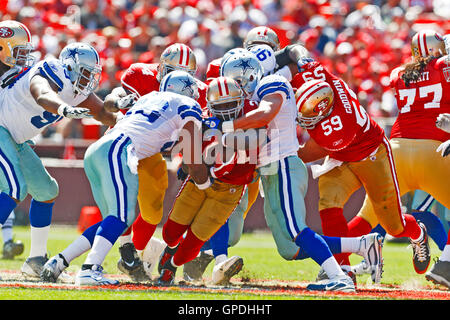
(418, 166)
(377, 174)
(153, 182)
(205, 210)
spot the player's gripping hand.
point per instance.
(126, 102)
(73, 112)
(443, 122)
(444, 148)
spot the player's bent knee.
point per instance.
(48, 193)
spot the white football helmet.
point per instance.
(245, 69)
(262, 35)
(180, 82)
(83, 65)
(266, 57)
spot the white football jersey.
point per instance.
(154, 123)
(19, 112)
(282, 130)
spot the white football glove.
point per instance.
(443, 122)
(444, 148)
(73, 112)
(127, 101)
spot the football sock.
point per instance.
(411, 229)
(188, 248)
(40, 219)
(435, 228)
(142, 232)
(172, 232)
(334, 224)
(82, 244)
(7, 205)
(313, 245)
(219, 241)
(7, 228)
(358, 227)
(107, 233)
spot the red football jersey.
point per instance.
(421, 102)
(140, 78)
(213, 70)
(237, 170)
(348, 133)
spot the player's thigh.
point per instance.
(284, 193)
(153, 182)
(113, 185)
(187, 203)
(252, 195)
(12, 180)
(336, 187)
(220, 202)
(378, 175)
(41, 185)
(432, 170)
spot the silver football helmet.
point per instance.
(83, 66)
(245, 69)
(180, 82)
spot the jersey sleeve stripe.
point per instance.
(48, 73)
(191, 113)
(272, 87)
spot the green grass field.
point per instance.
(261, 261)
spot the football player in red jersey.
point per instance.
(440, 271)
(202, 210)
(138, 80)
(422, 89)
(359, 154)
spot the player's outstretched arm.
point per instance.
(311, 151)
(268, 108)
(44, 93)
(97, 110)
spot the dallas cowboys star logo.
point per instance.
(73, 52)
(245, 65)
(187, 85)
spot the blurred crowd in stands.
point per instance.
(360, 41)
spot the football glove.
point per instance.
(181, 174)
(126, 102)
(212, 123)
(443, 122)
(73, 112)
(444, 148)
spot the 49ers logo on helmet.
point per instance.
(6, 32)
(322, 105)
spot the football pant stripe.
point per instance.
(394, 177)
(286, 202)
(11, 177)
(115, 166)
(425, 205)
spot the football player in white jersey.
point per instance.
(37, 97)
(14, 58)
(284, 176)
(155, 123)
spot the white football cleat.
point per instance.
(150, 255)
(53, 268)
(340, 283)
(93, 277)
(223, 271)
(370, 248)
